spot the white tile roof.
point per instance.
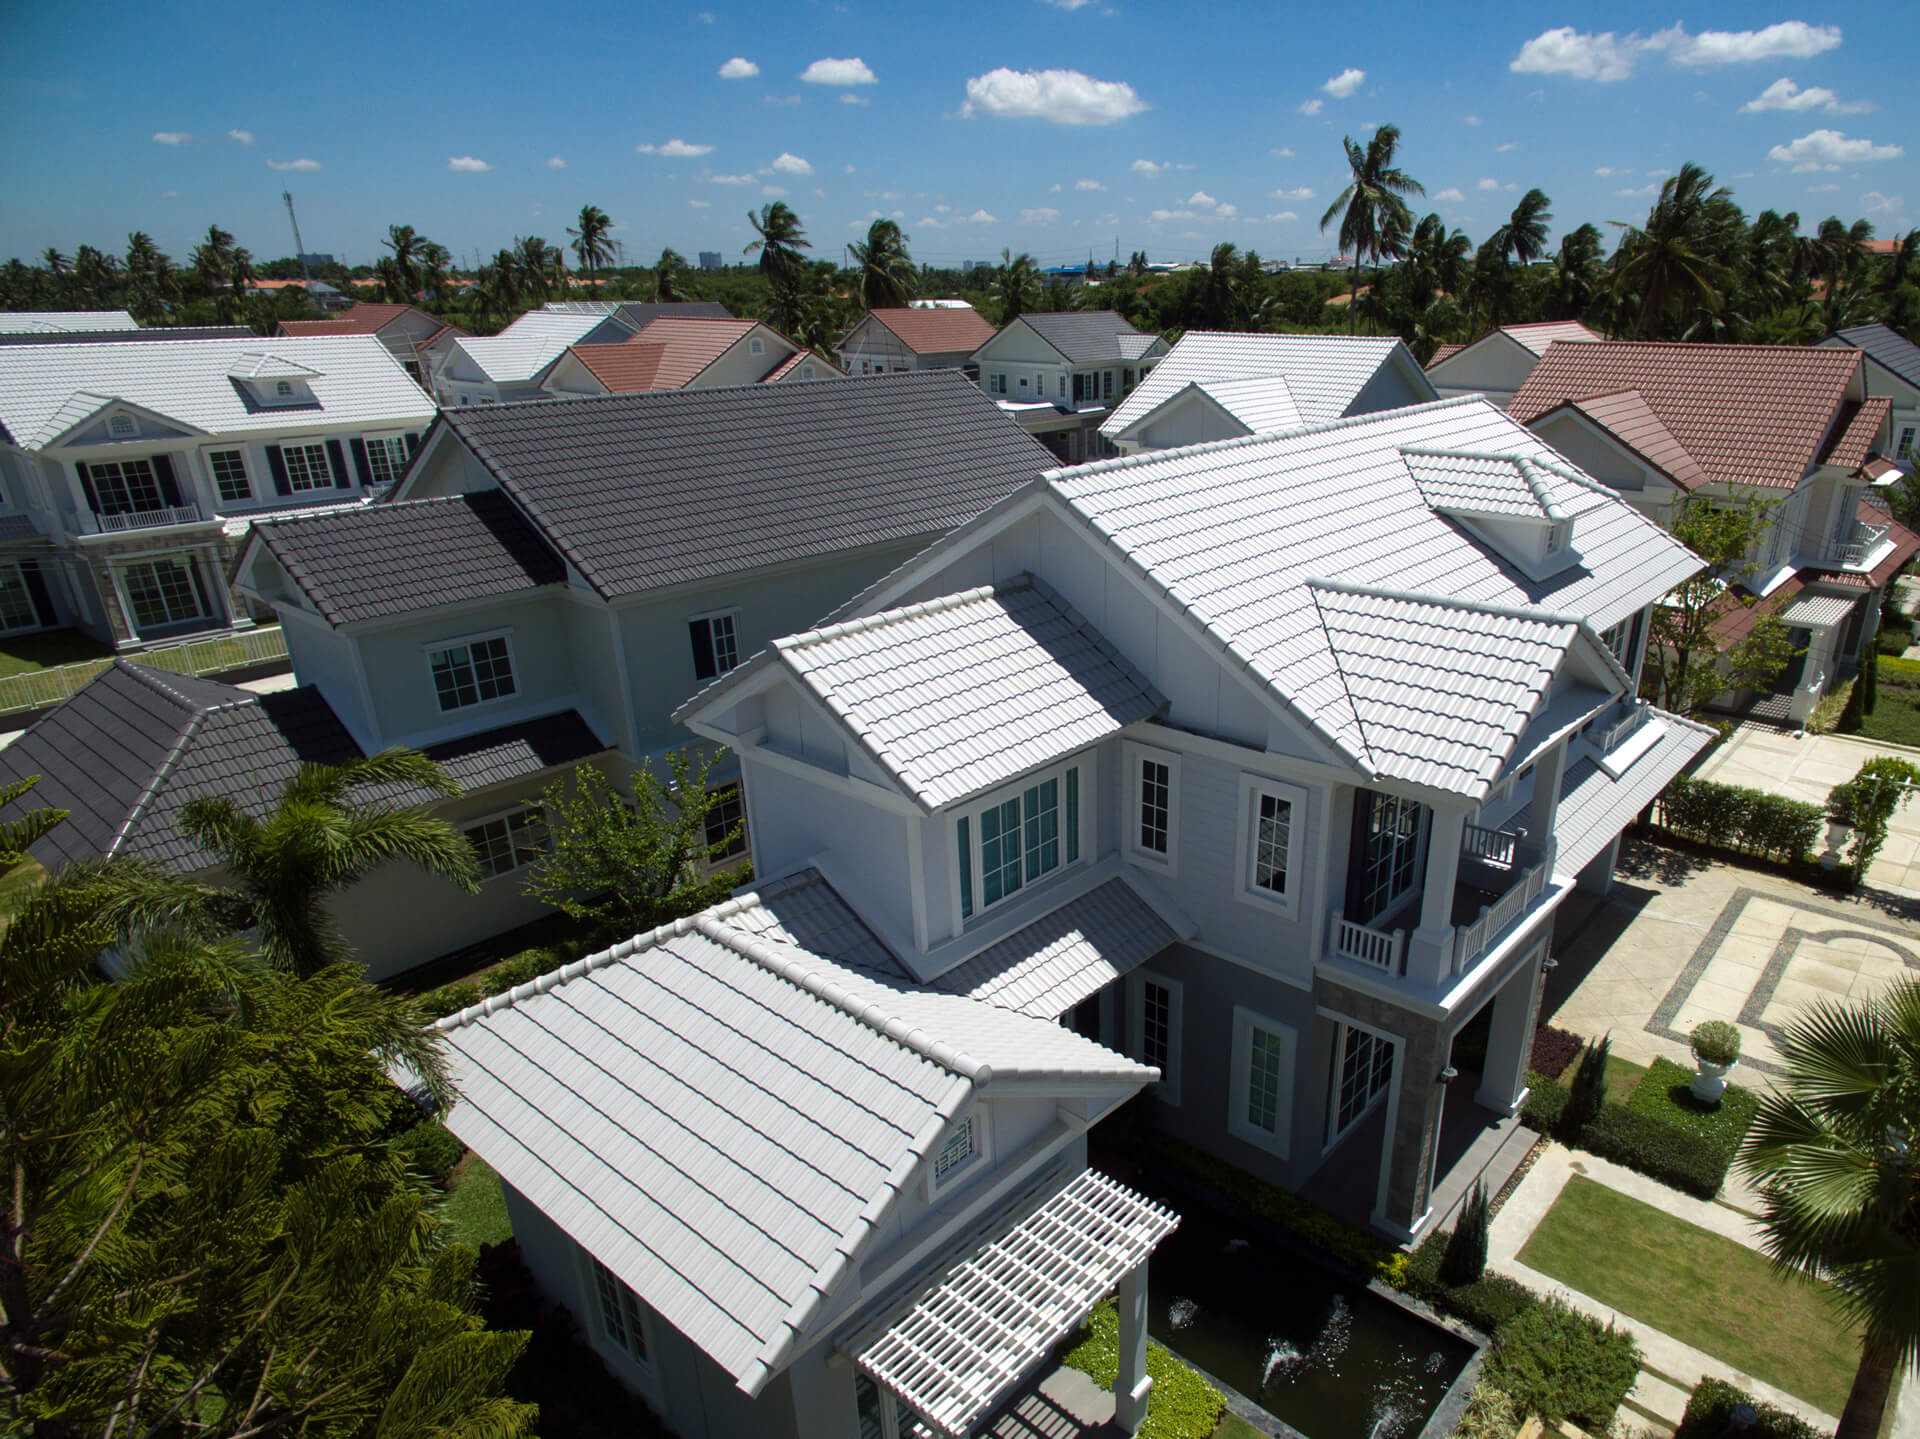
(52, 322)
(962, 693)
(1595, 806)
(1503, 485)
(724, 1119)
(534, 341)
(45, 390)
(1233, 532)
(1261, 405)
(1324, 373)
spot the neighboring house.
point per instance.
(54, 322)
(1893, 369)
(913, 338)
(1059, 374)
(1267, 762)
(675, 353)
(640, 313)
(607, 556)
(1218, 386)
(1497, 364)
(320, 294)
(789, 1192)
(412, 336)
(1803, 427)
(495, 369)
(129, 472)
(113, 337)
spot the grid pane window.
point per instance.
(510, 842)
(958, 1148)
(716, 645)
(620, 1312)
(1015, 842)
(125, 487)
(307, 467)
(1365, 1067)
(1905, 448)
(1265, 1057)
(16, 605)
(387, 458)
(1156, 792)
(1000, 851)
(1272, 832)
(470, 673)
(163, 592)
(1156, 1025)
(725, 824)
(1391, 851)
(230, 475)
(1040, 806)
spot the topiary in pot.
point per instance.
(1716, 1049)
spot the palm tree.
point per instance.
(592, 235)
(406, 245)
(780, 243)
(1837, 252)
(1438, 261)
(1668, 263)
(666, 275)
(151, 286)
(1374, 218)
(435, 265)
(887, 276)
(1017, 286)
(212, 260)
(1221, 296)
(1835, 1151)
(1576, 273)
(1521, 241)
(326, 832)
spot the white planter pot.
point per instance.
(1711, 1082)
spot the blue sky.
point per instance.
(1053, 126)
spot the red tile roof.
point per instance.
(788, 365)
(692, 342)
(936, 331)
(1745, 414)
(1630, 419)
(366, 317)
(1445, 352)
(1859, 427)
(625, 367)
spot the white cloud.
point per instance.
(1487, 184)
(1503, 149)
(1160, 217)
(1606, 170)
(1044, 215)
(701, 204)
(240, 137)
(675, 149)
(1301, 192)
(306, 164)
(1054, 188)
(556, 162)
(849, 98)
(1644, 192)
(173, 137)
(1149, 168)
(1829, 150)
(739, 68)
(774, 192)
(1473, 120)
(1284, 152)
(1065, 97)
(1783, 94)
(1201, 200)
(1069, 4)
(1226, 212)
(704, 17)
(1875, 203)
(465, 164)
(1345, 83)
(779, 99)
(1312, 107)
(1088, 185)
(791, 165)
(840, 73)
(981, 217)
(169, 194)
(1822, 189)
(1279, 217)
(1452, 192)
(1657, 174)
(1608, 56)
(849, 169)
(713, 179)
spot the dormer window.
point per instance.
(283, 389)
(121, 426)
(1020, 836)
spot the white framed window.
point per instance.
(997, 383)
(1392, 833)
(725, 826)
(386, 457)
(716, 644)
(125, 487)
(756, 346)
(1063, 386)
(1273, 819)
(1260, 1104)
(1155, 1004)
(506, 842)
(1153, 790)
(283, 388)
(1903, 446)
(1019, 836)
(471, 672)
(165, 591)
(623, 1315)
(307, 467)
(229, 471)
(16, 603)
(1362, 1070)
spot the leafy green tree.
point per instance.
(1589, 1088)
(887, 276)
(1867, 803)
(593, 243)
(1835, 1153)
(1374, 219)
(631, 861)
(1465, 1259)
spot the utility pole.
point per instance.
(299, 249)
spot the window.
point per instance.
(957, 1150)
(1106, 384)
(622, 1314)
(230, 476)
(386, 458)
(283, 388)
(167, 591)
(307, 467)
(1271, 814)
(1363, 1067)
(1389, 832)
(16, 603)
(726, 834)
(125, 487)
(472, 672)
(1063, 386)
(1155, 1004)
(1019, 839)
(1903, 448)
(1154, 777)
(1622, 638)
(509, 841)
(1261, 1102)
(756, 346)
(121, 425)
(716, 645)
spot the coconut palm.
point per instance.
(406, 245)
(592, 236)
(780, 243)
(1438, 261)
(1835, 1151)
(668, 273)
(1221, 297)
(1520, 241)
(1017, 286)
(887, 276)
(212, 259)
(151, 284)
(1374, 219)
(1576, 273)
(435, 266)
(1667, 267)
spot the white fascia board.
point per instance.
(437, 433)
(1403, 357)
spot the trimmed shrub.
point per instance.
(1655, 1149)
(1489, 1415)
(1182, 1404)
(1893, 640)
(1563, 1365)
(1466, 1257)
(430, 1150)
(1666, 1095)
(1589, 1090)
(1487, 1303)
(1733, 817)
(1553, 1050)
(1710, 1415)
(1899, 673)
(1546, 1104)
(1716, 1042)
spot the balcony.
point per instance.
(147, 519)
(1851, 550)
(1494, 891)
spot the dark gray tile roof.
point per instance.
(1083, 336)
(118, 337)
(517, 750)
(641, 315)
(391, 559)
(1888, 346)
(649, 490)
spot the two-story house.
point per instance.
(1801, 427)
(913, 337)
(677, 352)
(1058, 374)
(1893, 370)
(1267, 761)
(130, 471)
(498, 369)
(1497, 364)
(1221, 385)
(413, 337)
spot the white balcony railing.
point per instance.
(148, 519)
(1610, 736)
(1477, 938)
(1495, 846)
(1866, 539)
(1379, 949)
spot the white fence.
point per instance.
(37, 689)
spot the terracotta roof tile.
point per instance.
(936, 332)
(792, 362)
(1630, 419)
(1746, 414)
(691, 343)
(625, 369)
(1445, 352)
(1858, 428)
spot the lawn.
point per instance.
(1623, 1077)
(1895, 717)
(1699, 1287)
(52, 647)
(476, 1209)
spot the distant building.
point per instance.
(710, 259)
(968, 266)
(311, 260)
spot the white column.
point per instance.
(1132, 1383)
(1430, 947)
(1503, 1082)
(1549, 773)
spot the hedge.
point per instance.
(1748, 821)
(1661, 1131)
(1546, 1102)
(1656, 1150)
(1563, 1365)
(1487, 1303)
(1902, 674)
(430, 1150)
(1182, 1404)
(1710, 1415)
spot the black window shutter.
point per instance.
(360, 460)
(277, 462)
(413, 442)
(337, 458)
(86, 486)
(1363, 800)
(169, 487)
(703, 665)
(36, 584)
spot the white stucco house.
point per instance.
(1059, 374)
(913, 337)
(1497, 364)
